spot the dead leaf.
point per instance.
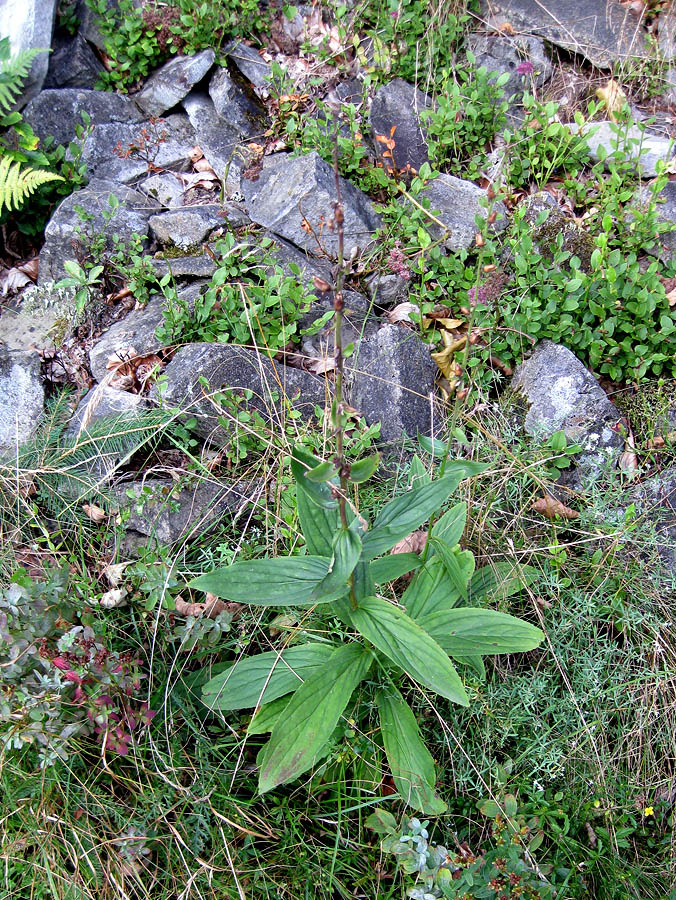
(13, 280)
(113, 599)
(320, 284)
(95, 513)
(628, 461)
(551, 508)
(507, 28)
(614, 98)
(114, 573)
(671, 297)
(402, 312)
(413, 543)
(320, 365)
(281, 623)
(196, 153)
(121, 357)
(211, 608)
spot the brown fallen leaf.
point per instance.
(321, 365)
(95, 513)
(402, 312)
(661, 440)
(628, 461)
(413, 543)
(551, 508)
(114, 573)
(121, 357)
(671, 297)
(614, 98)
(211, 608)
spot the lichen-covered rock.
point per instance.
(655, 500)
(386, 290)
(665, 246)
(395, 113)
(235, 371)
(165, 189)
(560, 394)
(390, 380)
(131, 217)
(456, 203)
(57, 113)
(294, 197)
(42, 320)
(22, 397)
(173, 81)
(29, 25)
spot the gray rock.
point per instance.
(391, 381)
(633, 144)
(122, 411)
(42, 320)
(602, 32)
(356, 327)
(233, 369)
(251, 65)
(667, 33)
(666, 212)
(29, 25)
(502, 54)
(124, 152)
(72, 64)
(309, 267)
(131, 217)
(654, 503)
(386, 290)
(186, 227)
(163, 513)
(166, 189)
(236, 106)
(22, 397)
(398, 105)
(670, 85)
(456, 203)
(136, 330)
(173, 81)
(560, 394)
(292, 190)
(57, 113)
(219, 141)
(185, 266)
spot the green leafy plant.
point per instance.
(469, 111)
(300, 692)
(249, 300)
(20, 175)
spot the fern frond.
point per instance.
(13, 72)
(17, 184)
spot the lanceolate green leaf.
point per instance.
(267, 716)
(409, 759)
(364, 468)
(303, 462)
(313, 712)
(452, 565)
(264, 677)
(499, 581)
(465, 632)
(389, 568)
(317, 509)
(285, 581)
(405, 513)
(430, 590)
(325, 471)
(405, 643)
(450, 526)
(346, 553)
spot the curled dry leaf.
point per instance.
(402, 312)
(551, 508)
(203, 165)
(13, 280)
(614, 98)
(413, 543)
(322, 286)
(671, 297)
(196, 153)
(95, 513)
(321, 365)
(661, 440)
(114, 598)
(114, 573)
(121, 357)
(628, 461)
(211, 608)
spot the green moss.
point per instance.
(173, 252)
